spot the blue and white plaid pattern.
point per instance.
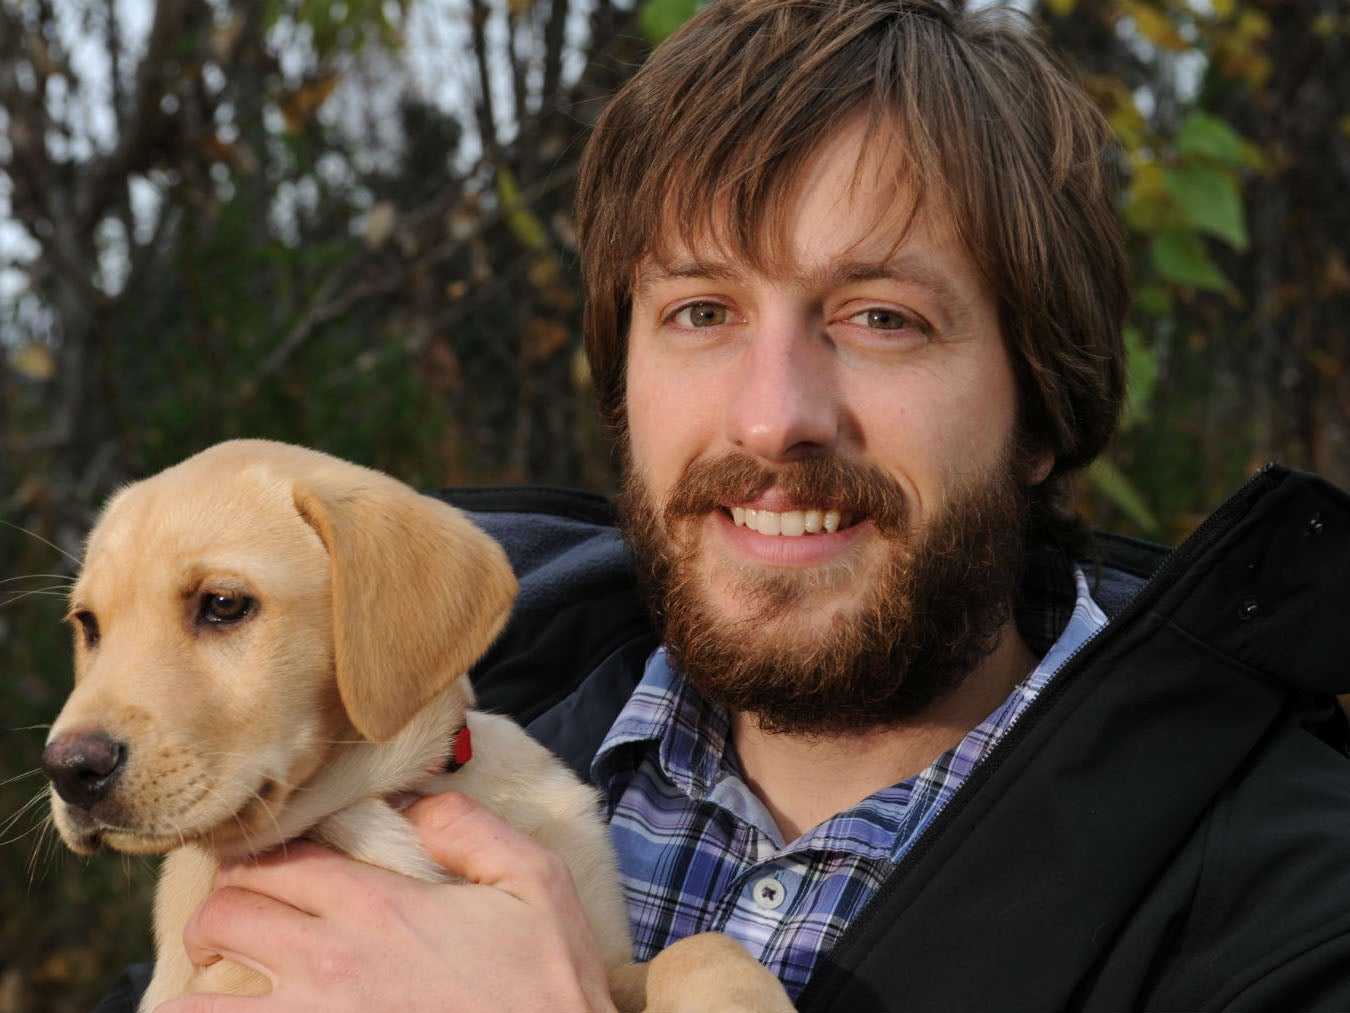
(698, 851)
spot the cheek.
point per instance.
(930, 428)
(671, 419)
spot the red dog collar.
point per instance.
(461, 752)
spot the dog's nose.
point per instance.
(83, 766)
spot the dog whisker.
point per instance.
(272, 816)
(46, 849)
(40, 592)
(47, 542)
(65, 578)
(238, 822)
(35, 772)
(47, 842)
(44, 727)
(40, 799)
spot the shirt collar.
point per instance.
(691, 731)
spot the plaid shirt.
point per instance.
(698, 851)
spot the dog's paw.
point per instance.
(712, 973)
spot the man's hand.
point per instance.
(335, 934)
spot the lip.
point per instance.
(785, 551)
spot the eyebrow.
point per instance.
(652, 273)
(902, 267)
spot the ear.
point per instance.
(419, 592)
(1039, 466)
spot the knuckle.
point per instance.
(548, 868)
(336, 965)
(444, 811)
(218, 913)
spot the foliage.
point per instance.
(1233, 157)
(660, 18)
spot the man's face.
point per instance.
(820, 473)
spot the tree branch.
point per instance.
(143, 124)
(483, 108)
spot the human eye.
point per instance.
(886, 318)
(884, 324)
(699, 314)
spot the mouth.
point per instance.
(792, 523)
(90, 840)
(239, 832)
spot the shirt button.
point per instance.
(769, 893)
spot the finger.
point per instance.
(211, 1004)
(305, 875)
(242, 926)
(472, 841)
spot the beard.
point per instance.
(937, 604)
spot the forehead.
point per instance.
(186, 522)
(854, 201)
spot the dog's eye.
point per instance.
(88, 627)
(226, 608)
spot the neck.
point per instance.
(803, 780)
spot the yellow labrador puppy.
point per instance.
(270, 643)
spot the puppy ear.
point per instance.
(419, 593)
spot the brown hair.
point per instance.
(710, 134)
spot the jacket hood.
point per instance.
(1266, 581)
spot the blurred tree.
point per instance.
(258, 219)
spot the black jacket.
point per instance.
(1166, 828)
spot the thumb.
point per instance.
(470, 840)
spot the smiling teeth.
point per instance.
(792, 522)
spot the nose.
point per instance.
(84, 766)
(785, 402)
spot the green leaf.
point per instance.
(1205, 136)
(660, 18)
(524, 223)
(1155, 300)
(1179, 256)
(1113, 486)
(1209, 202)
(1143, 376)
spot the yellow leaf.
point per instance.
(381, 220)
(1336, 275)
(1061, 8)
(580, 369)
(1326, 25)
(543, 339)
(1149, 207)
(299, 105)
(1154, 25)
(1149, 180)
(1116, 101)
(523, 222)
(36, 362)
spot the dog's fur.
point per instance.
(274, 642)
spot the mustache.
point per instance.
(822, 480)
